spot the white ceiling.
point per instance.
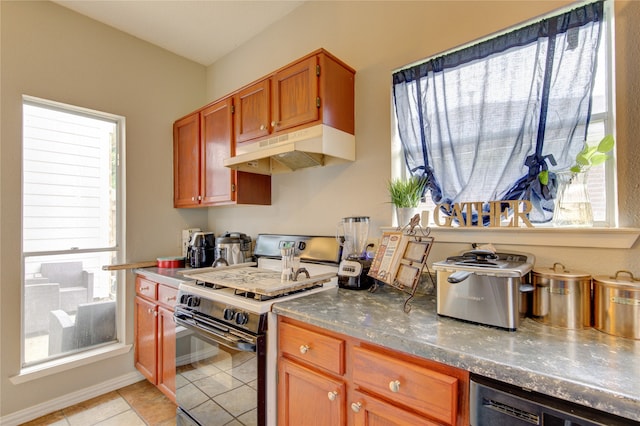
(200, 30)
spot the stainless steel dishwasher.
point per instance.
(494, 403)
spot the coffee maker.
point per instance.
(354, 266)
(201, 251)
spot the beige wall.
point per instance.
(50, 52)
(375, 38)
(53, 53)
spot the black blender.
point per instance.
(354, 266)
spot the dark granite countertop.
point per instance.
(587, 367)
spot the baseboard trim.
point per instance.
(70, 399)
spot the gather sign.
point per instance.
(509, 213)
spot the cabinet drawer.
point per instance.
(315, 348)
(367, 410)
(427, 391)
(167, 295)
(146, 288)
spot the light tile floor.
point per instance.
(138, 404)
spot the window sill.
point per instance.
(69, 362)
(620, 238)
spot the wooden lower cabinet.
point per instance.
(309, 397)
(166, 352)
(146, 338)
(325, 378)
(155, 334)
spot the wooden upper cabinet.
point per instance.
(253, 111)
(202, 141)
(295, 95)
(316, 89)
(186, 161)
(217, 181)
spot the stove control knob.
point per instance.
(228, 314)
(193, 301)
(242, 318)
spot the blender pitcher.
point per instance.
(355, 231)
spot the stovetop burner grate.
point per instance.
(263, 297)
(209, 285)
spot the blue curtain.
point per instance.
(483, 121)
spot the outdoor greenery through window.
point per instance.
(70, 228)
(484, 120)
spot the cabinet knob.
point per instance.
(144, 288)
(332, 395)
(356, 406)
(149, 311)
(262, 127)
(304, 349)
(274, 124)
(394, 385)
(193, 198)
(155, 313)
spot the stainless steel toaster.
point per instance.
(484, 287)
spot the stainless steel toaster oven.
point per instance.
(484, 287)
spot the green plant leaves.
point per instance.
(593, 155)
(598, 158)
(606, 144)
(543, 177)
(407, 193)
(588, 157)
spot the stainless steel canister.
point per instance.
(617, 305)
(561, 297)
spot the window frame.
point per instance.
(398, 166)
(52, 365)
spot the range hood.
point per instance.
(319, 145)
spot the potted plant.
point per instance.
(572, 205)
(406, 195)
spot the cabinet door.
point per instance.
(186, 161)
(253, 111)
(146, 338)
(167, 353)
(368, 411)
(309, 398)
(295, 91)
(216, 132)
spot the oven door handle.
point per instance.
(239, 345)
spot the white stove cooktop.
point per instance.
(228, 296)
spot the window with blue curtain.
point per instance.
(482, 122)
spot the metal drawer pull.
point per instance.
(394, 385)
(169, 299)
(144, 288)
(356, 406)
(304, 349)
(332, 395)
